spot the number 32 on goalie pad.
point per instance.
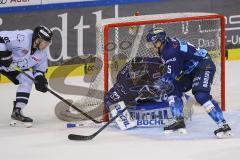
(124, 120)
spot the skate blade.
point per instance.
(222, 135)
(168, 132)
(181, 131)
(15, 123)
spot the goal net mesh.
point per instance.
(121, 39)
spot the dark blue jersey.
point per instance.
(131, 90)
(181, 57)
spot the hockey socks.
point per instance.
(216, 114)
(176, 105)
(214, 111)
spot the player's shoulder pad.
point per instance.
(179, 43)
(19, 37)
(183, 45)
(27, 33)
(173, 43)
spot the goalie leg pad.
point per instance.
(124, 120)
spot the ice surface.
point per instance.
(47, 140)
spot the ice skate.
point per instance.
(19, 119)
(223, 132)
(177, 126)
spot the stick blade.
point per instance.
(79, 137)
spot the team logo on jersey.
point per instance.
(171, 60)
(20, 38)
(163, 60)
(146, 92)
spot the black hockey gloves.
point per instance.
(41, 83)
(5, 58)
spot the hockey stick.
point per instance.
(56, 95)
(85, 124)
(90, 137)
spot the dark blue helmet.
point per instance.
(156, 34)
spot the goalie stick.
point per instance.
(90, 137)
(58, 96)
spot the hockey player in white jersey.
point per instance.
(25, 49)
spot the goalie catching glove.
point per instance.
(41, 83)
(124, 120)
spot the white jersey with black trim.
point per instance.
(19, 42)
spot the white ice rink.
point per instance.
(47, 139)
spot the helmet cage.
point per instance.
(137, 69)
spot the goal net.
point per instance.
(120, 39)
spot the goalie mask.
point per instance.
(138, 70)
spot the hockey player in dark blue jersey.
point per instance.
(136, 84)
(188, 68)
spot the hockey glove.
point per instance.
(5, 58)
(41, 83)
